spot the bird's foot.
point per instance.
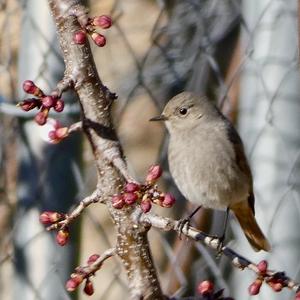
(222, 237)
(186, 221)
(182, 223)
(220, 246)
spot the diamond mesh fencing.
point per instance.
(242, 54)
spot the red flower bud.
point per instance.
(79, 37)
(71, 285)
(118, 201)
(254, 288)
(30, 88)
(41, 117)
(93, 258)
(205, 287)
(50, 217)
(48, 101)
(146, 205)
(102, 21)
(98, 39)
(130, 198)
(154, 173)
(89, 288)
(168, 200)
(77, 277)
(29, 104)
(262, 266)
(59, 105)
(74, 282)
(52, 135)
(56, 136)
(297, 296)
(62, 236)
(277, 287)
(131, 187)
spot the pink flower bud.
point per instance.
(102, 21)
(56, 136)
(146, 205)
(131, 187)
(92, 259)
(74, 282)
(50, 217)
(89, 288)
(62, 236)
(71, 285)
(277, 286)
(52, 136)
(154, 173)
(30, 88)
(29, 104)
(48, 101)
(98, 39)
(205, 287)
(59, 105)
(168, 200)
(77, 277)
(262, 266)
(297, 296)
(79, 37)
(118, 201)
(41, 117)
(254, 288)
(130, 198)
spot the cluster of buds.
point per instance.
(144, 194)
(42, 102)
(276, 281)
(103, 22)
(83, 274)
(54, 219)
(207, 290)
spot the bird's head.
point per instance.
(186, 111)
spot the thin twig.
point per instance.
(75, 127)
(214, 243)
(97, 264)
(93, 198)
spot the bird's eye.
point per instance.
(183, 111)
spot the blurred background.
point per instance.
(242, 54)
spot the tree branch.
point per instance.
(214, 243)
(132, 244)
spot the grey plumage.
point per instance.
(208, 163)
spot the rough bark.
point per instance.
(132, 244)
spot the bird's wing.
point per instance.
(241, 160)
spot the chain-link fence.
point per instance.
(242, 54)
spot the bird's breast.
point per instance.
(205, 171)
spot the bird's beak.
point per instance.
(159, 118)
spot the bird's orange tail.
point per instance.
(253, 233)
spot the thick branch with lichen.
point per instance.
(95, 100)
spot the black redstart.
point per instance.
(207, 161)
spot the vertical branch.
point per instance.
(132, 244)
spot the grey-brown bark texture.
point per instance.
(132, 245)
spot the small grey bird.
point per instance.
(208, 163)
